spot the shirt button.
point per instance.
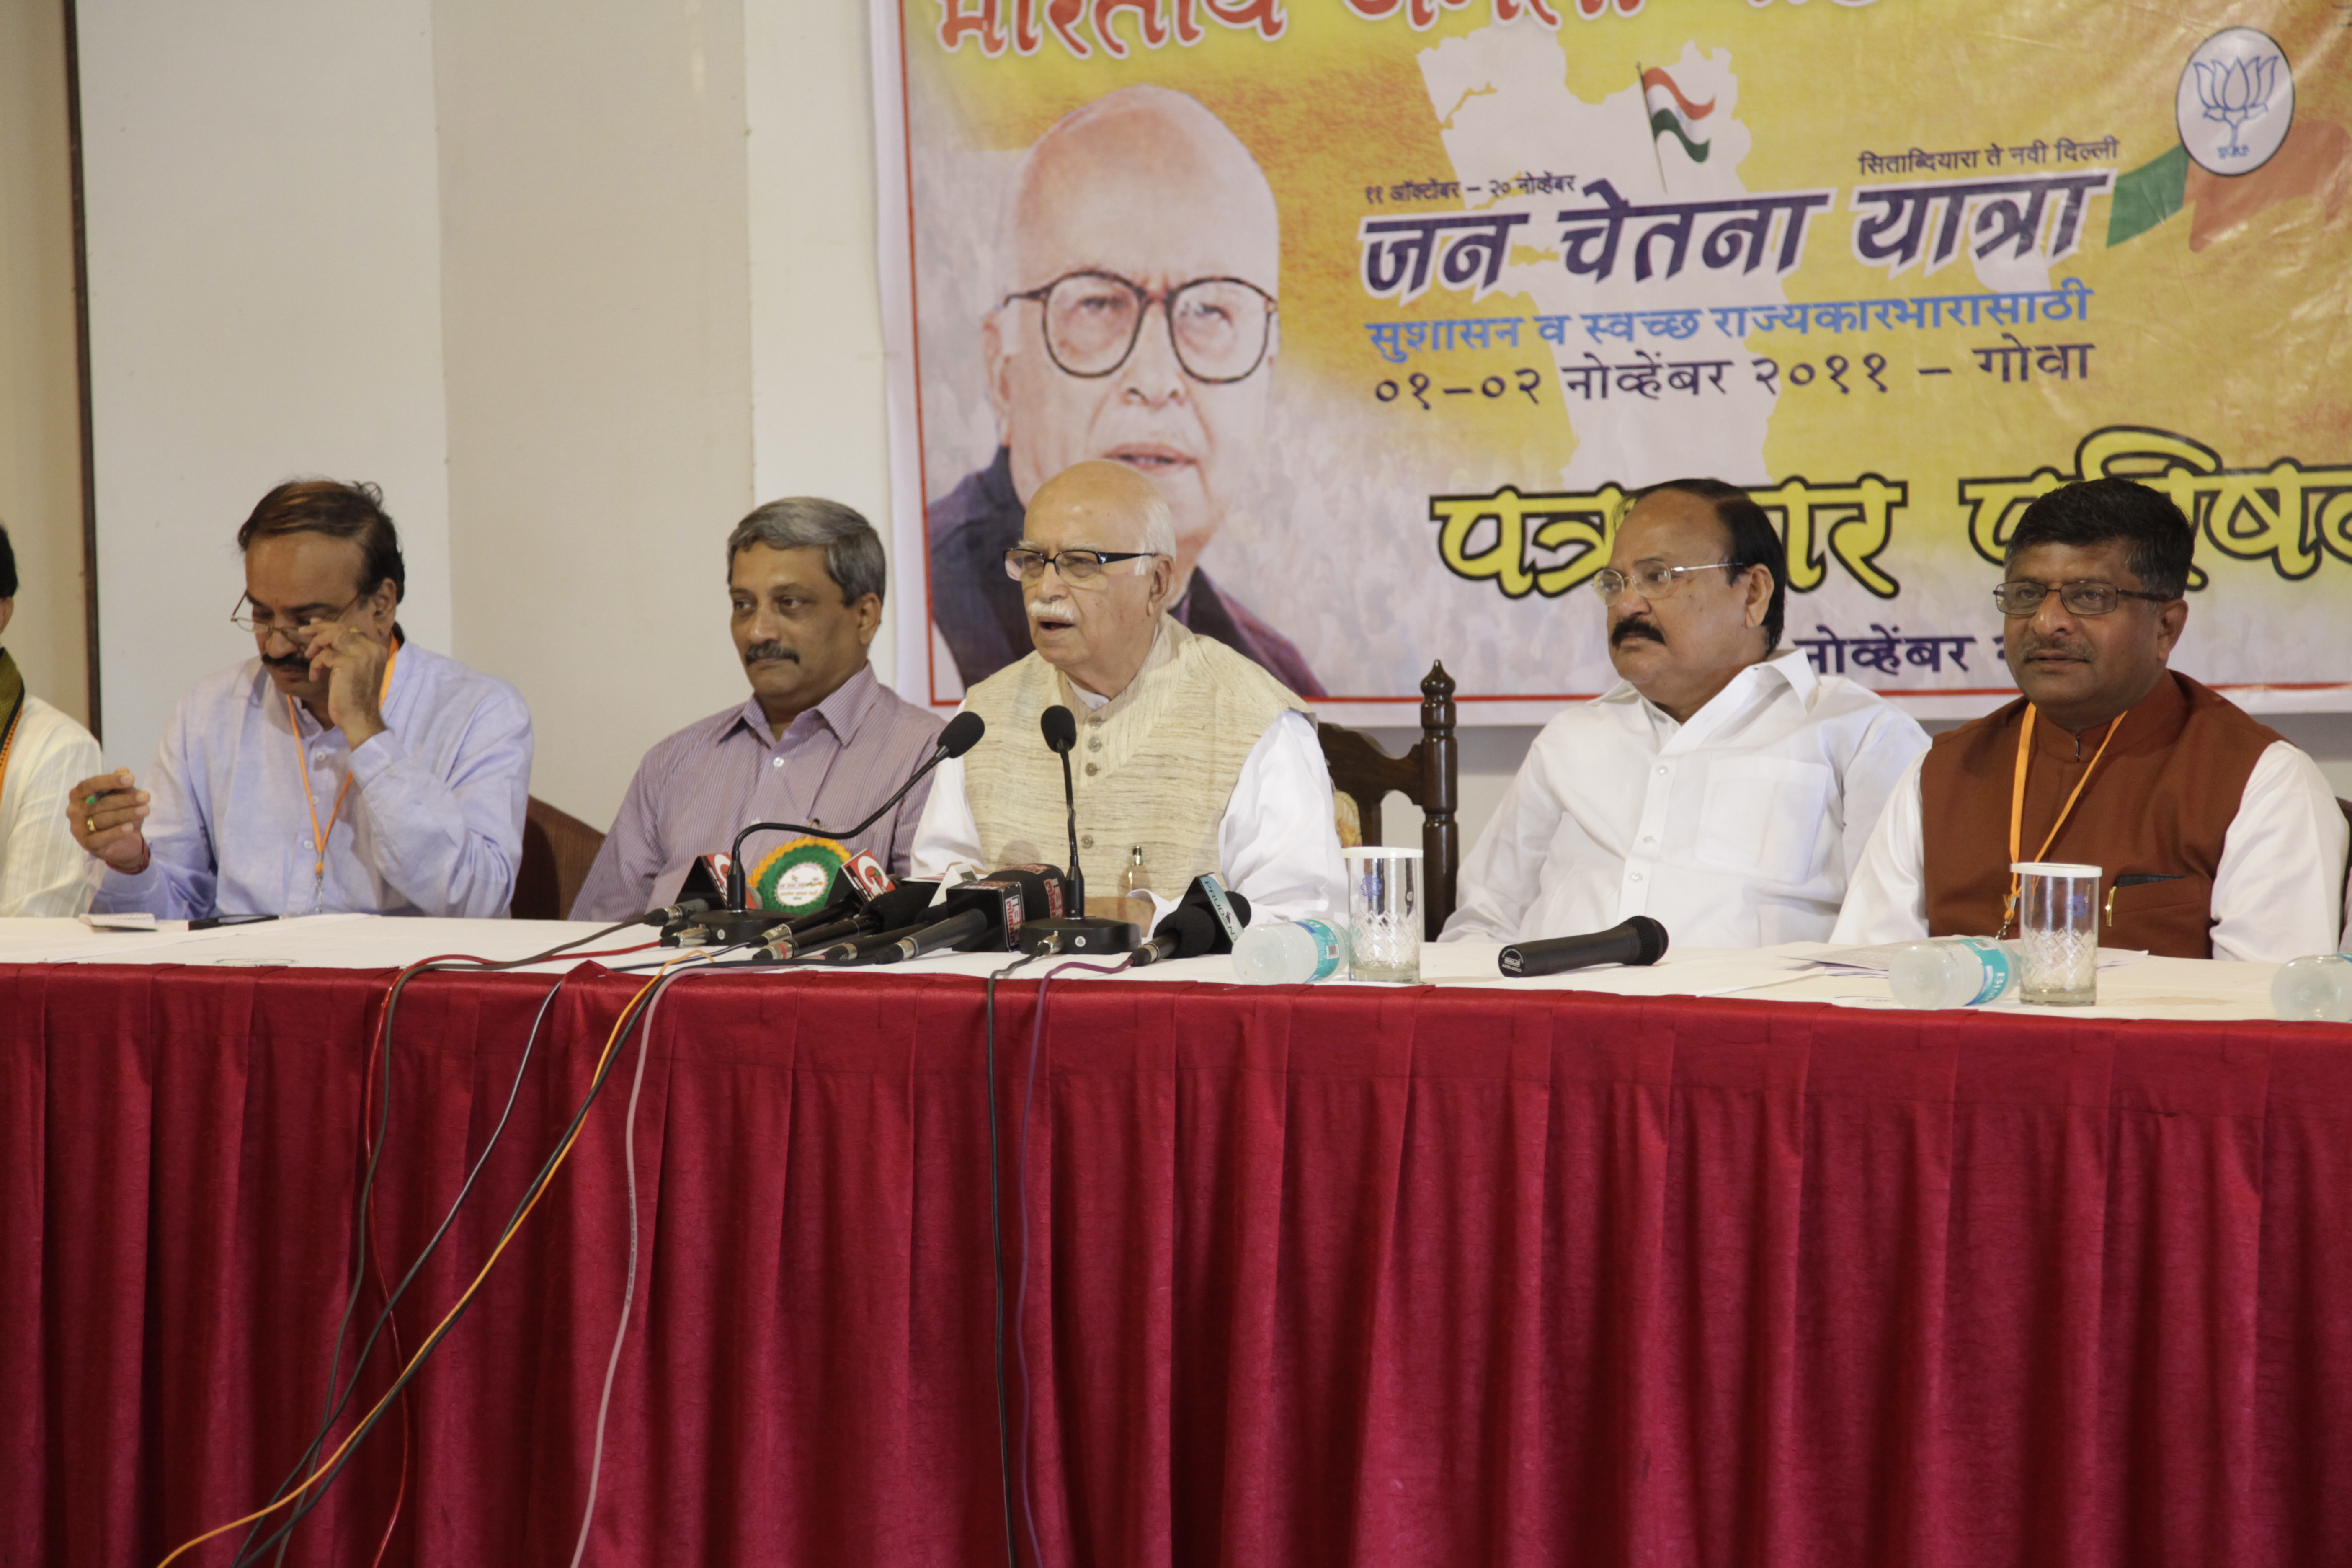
(1088, 840)
(1647, 838)
(1092, 770)
(1633, 877)
(1662, 773)
(1093, 743)
(775, 761)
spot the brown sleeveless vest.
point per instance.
(2160, 804)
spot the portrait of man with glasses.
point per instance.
(1137, 322)
(1723, 787)
(343, 768)
(2214, 837)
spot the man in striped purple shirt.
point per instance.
(821, 741)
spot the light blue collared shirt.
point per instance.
(432, 824)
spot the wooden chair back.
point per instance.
(1428, 774)
(557, 851)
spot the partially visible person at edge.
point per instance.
(819, 741)
(1186, 749)
(342, 768)
(2214, 838)
(1138, 324)
(42, 751)
(1723, 788)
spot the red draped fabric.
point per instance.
(1312, 1276)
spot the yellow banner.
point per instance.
(1399, 300)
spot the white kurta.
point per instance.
(1277, 844)
(2277, 894)
(41, 867)
(1737, 830)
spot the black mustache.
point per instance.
(760, 650)
(2063, 650)
(1636, 626)
(291, 663)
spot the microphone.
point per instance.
(961, 734)
(677, 911)
(1061, 731)
(1194, 926)
(902, 907)
(985, 916)
(1635, 941)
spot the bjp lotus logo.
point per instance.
(2236, 101)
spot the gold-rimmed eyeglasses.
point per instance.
(1653, 580)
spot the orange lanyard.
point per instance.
(2017, 804)
(317, 833)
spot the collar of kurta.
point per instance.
(1166, 639)
(2151, 724)
(1792, 666)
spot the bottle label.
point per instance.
(1995, 959)
(1330, 946)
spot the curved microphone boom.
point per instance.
(961, 734)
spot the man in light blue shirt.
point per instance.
(343, 769)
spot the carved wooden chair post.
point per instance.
(1427, 775)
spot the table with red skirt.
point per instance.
(1297, 1276)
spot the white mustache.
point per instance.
(1059, 609)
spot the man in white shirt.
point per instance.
(342, 768)
(1186, 748)
(42, 751)
(1722, 788)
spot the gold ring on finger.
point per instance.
(90, 825)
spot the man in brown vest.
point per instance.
(2215, 837)
(1187, 749)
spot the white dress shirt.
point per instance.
(432, 824)
(1277, 844)
(2277, 894)
(1737, 830)
(41, 867)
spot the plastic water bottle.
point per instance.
(1289, 953)
(1951, 971)
(2318, 988)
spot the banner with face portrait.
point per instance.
(1398, 302)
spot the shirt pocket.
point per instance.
(1767, 816)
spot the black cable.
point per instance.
(996, 1240)
(337, 1406)
(630, 1016)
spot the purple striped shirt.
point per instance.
(833, 764)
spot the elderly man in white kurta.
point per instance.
(1723, 788)
(1185, 747)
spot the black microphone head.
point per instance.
(963, 733)
(1196, 931)
(1196, 897)
(1651, 935)
(1061, 728)
(902, 905)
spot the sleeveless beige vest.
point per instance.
(1153, 766)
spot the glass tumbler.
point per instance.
(1384, 915)
(2058, 927)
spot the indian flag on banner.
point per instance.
(1673, 114)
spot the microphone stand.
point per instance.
(1070, 798)
(1077, 931)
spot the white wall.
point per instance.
(265, 256)
(598, 342)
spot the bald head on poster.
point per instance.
(1136, 322)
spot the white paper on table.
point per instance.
(130, 919)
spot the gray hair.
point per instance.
(853, 554)
(1158, 521)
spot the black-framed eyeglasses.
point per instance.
(1654, 581)
(1075, 565)
(262, 628)
(2083, 596)
(1219, 327)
